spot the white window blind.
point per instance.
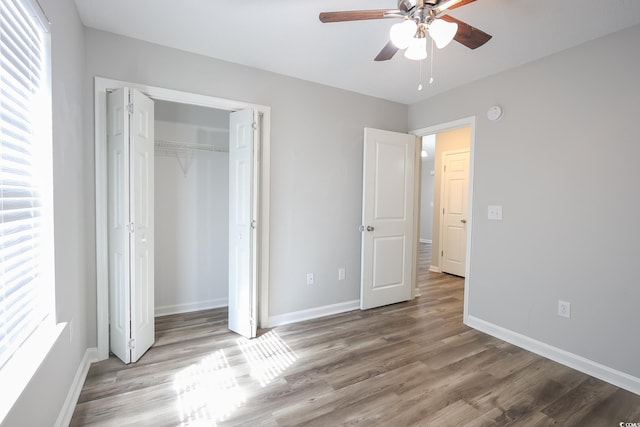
(24, 192)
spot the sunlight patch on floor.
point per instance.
(207, 391)
(268, 356)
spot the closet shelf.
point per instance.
(172, 148)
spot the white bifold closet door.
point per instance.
(243, 203)
(130, 146)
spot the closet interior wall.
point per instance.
(191, 208)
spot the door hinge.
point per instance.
(441, 253)
(130, 108)
(131, 227)
(442, 211)
(445, 168)
(132, 343)
(253, 224)
(254, 125)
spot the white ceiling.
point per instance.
(286, 37)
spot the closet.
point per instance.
(190, 189)
(182, 198)
(191, 207)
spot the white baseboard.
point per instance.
(435, 269)
(64, 418)
(192, 306)
(426, 241)
(579, 363)
(313, 313)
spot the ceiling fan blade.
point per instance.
(467, 35)
(387, 52)
(458, 4)
(358, 15)
(445, 5)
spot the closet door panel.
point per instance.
(118, 223)
(242, 232)
(142, 240)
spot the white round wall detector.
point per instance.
(494, 112)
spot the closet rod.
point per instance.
(180, 147)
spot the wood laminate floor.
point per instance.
(408, 364)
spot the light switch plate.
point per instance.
(495, 213)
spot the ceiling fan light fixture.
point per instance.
(442, 32)
(417, 49)
(402, 32)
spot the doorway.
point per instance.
(191, 207)
(262, 262)
(427, 183)
(469, 125)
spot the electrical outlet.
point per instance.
(342, 273)
(310, 279)
(564, 309)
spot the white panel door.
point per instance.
(387, 218)
(141, 131)
(130, 142)
(118, 223)
(242, 224)
(455, 196)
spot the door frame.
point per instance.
(469, 122)
(101, 85)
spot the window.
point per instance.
(26, 218)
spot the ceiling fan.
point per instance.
(420, 17)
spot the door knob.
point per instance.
(464, 221)
(370, 228)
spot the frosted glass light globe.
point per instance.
(442, 32)
(402, 32)
(417, 49)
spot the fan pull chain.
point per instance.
(420, 76)
(431, 76)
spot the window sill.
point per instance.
(24, 364)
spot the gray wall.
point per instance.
(563, 162)
(40, 403)
(316, 158)
(426, 199)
